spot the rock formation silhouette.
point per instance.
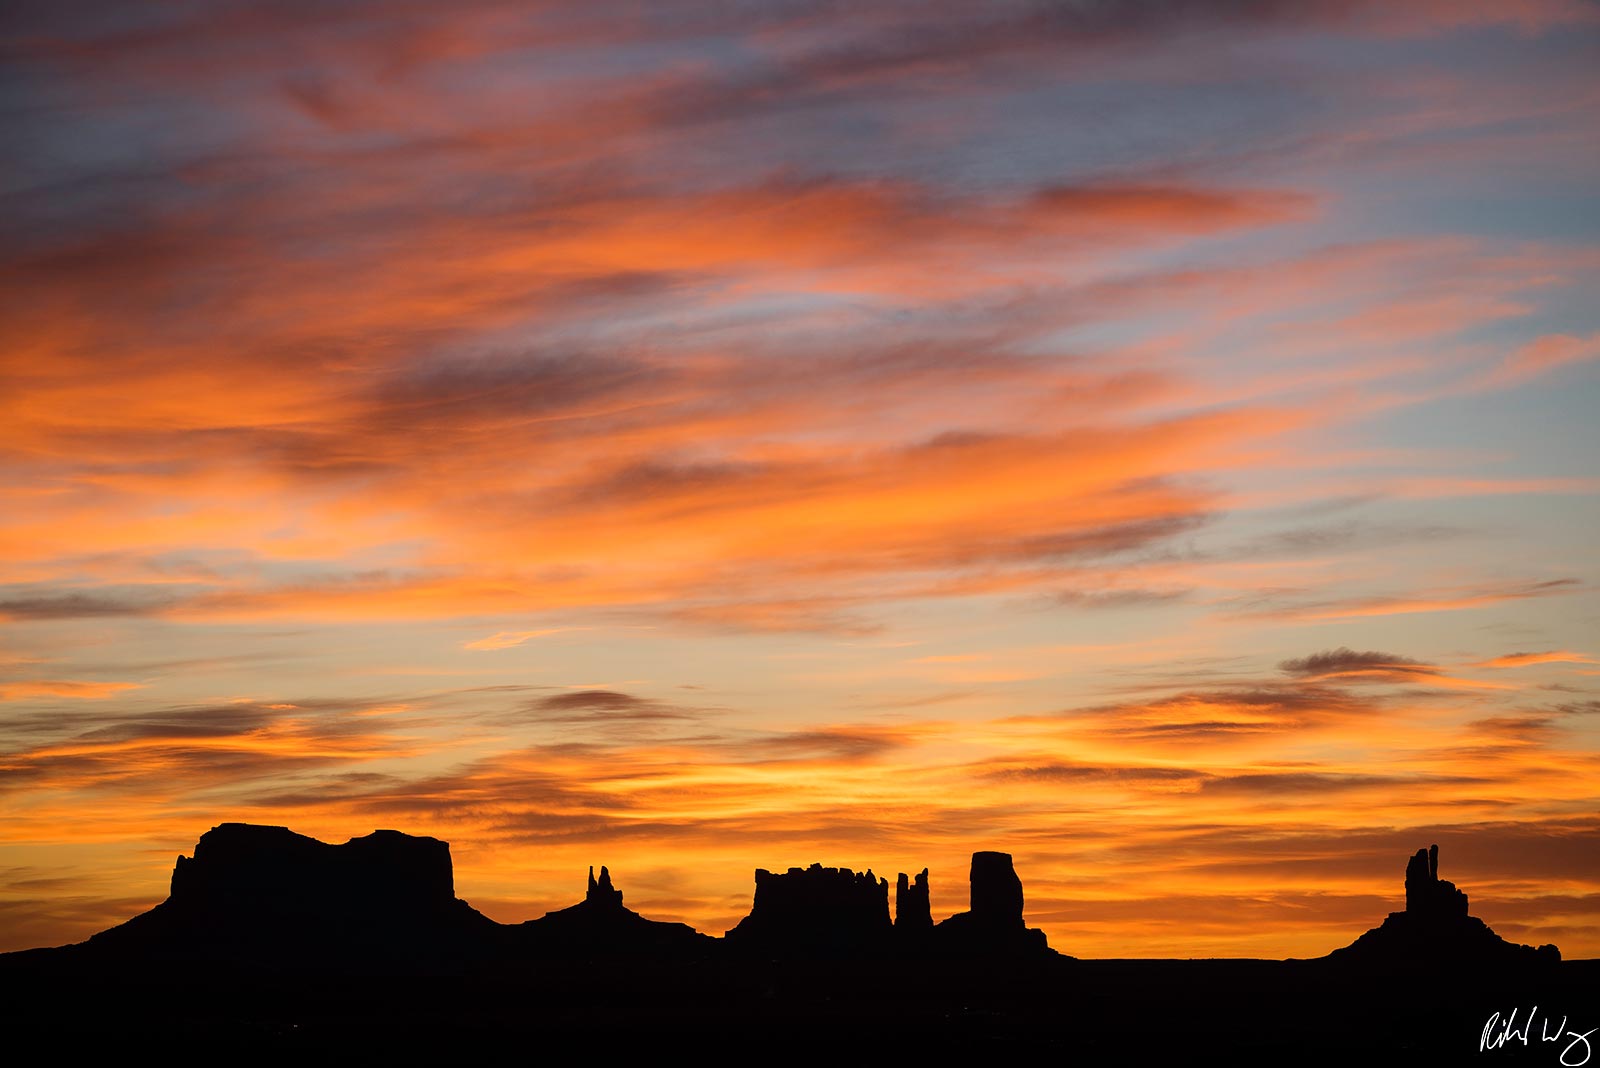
(1435, 928)
(1426, 893)
(602, 892)
(271, 941)
(911, 909)
(836, 912)
(996, 890)
(994, 923)
(599, 925)
(815, 911)
(255, 895)
(268, 895)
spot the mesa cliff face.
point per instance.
(243, 866)
(815, 910)
(1435, 929)
(994, 924)
(268, 894)
(819, 911)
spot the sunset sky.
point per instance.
(1156, 440)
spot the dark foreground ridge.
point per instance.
(304, 947)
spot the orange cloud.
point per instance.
(1525, 659)
(1444, 600)
(1543, 355)
(507, 639)
(90, 691)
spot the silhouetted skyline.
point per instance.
(267, 895)
(313, 949)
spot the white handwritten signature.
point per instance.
(1499, 1031)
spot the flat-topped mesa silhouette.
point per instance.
(243, 865)
(912, 912)
(834, 912)
(994, 924)
(599, 925)
(1435, 929)
(815, 911)
(267, 894)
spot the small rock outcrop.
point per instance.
(599, 925)
(1426, 893)
(911, 908)
(1435, 930)
(602, 893)
(994, 924)
(815, 911)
